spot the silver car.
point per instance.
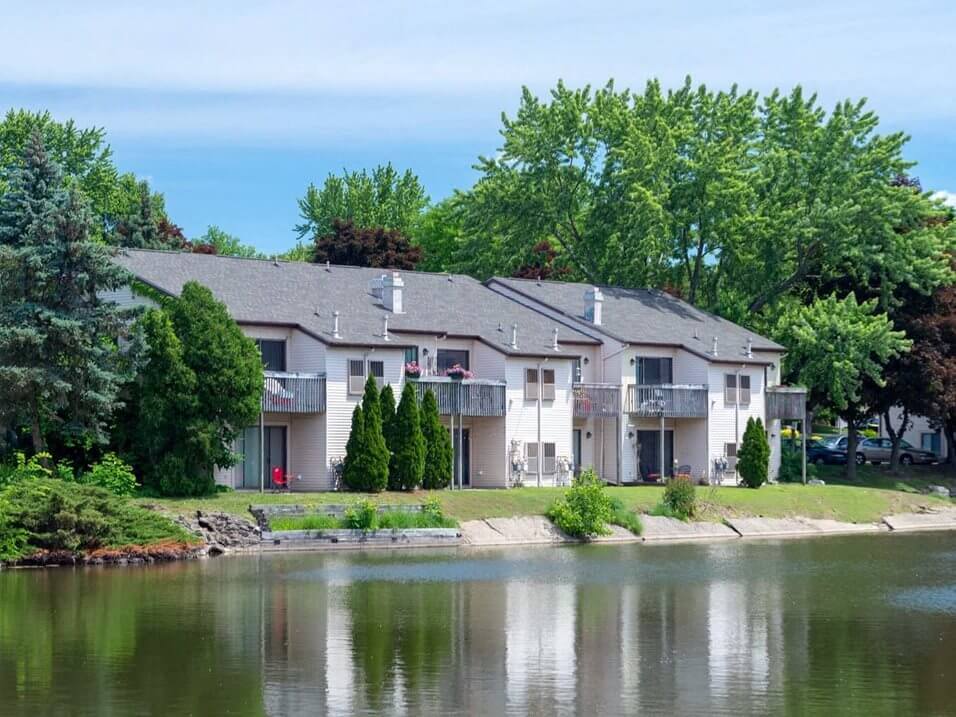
(879, 450)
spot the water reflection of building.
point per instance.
(680, 642)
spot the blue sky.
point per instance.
(232, 108)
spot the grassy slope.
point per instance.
(880, 494)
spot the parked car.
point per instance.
(879, 450)
(824, 452)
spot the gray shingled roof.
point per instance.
(305, 295)
(647, 316)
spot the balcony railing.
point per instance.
(667, 400)
(786, 403)
(293, 392)
(598, 400)
(468, 397)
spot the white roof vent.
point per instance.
(514, 336)
(750, 347)
(714, 347)
(392, 289)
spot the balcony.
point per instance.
(293, 392)
(667, 400)
(597, 400)
(468, 397)
(786, 403)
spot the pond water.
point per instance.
(856, 625)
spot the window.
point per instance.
(578, 371)
(730, 388)
(745, 390)
(531, 457)
(452, 357)
(654, 371)
(356, 376)
(547, 384)
(377, 369)
(550, 463)
(273, 354)
(531, 384)
(411, 354)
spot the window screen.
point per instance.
(549, 458)
(531, 456)
(451, 357)
(547, 384)
(730, 388)
(531, 383)
(356, 376)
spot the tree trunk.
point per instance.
(896, 437)
(851, 441)
(36, 433)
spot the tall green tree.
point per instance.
(169, 438)
(225, 391)
(408, 459)
(737, 203)
(383, 198)
(386, 403)
(367, 456)
(225, 244)
(85, 161)
(835, 346)
(438, 451)
(60, 370)
(753, 458)
(355, 449)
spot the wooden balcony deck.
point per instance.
(786, 403)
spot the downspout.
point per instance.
(538, 402)
(262, 452)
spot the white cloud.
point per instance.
(947, 197)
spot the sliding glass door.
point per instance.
(274, 443)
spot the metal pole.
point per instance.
(461, 442)
(663, 477)
(540, 451)
(262, 452)
(451, 417)
(803, 458)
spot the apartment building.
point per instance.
(546, 392)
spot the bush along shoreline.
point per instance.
(47, 517)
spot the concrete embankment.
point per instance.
(797, 527)
(909, 522)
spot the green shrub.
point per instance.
(625, 518)
(38, 466)
(56, 515)
(401, 519)
(680, 497)
(753, 458)
(790, 467)
(306, 522)
(585, 508)
(113, 474)
(13, 538)
(362, 515)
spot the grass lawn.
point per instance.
(876, 493)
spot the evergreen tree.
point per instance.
(753, 458)
(60, 370)
(408, 454)
(167, 438)
(386, 402)
(438, 453)
(145, 228)
(224, 395)
(354, 448)
(373, 462)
